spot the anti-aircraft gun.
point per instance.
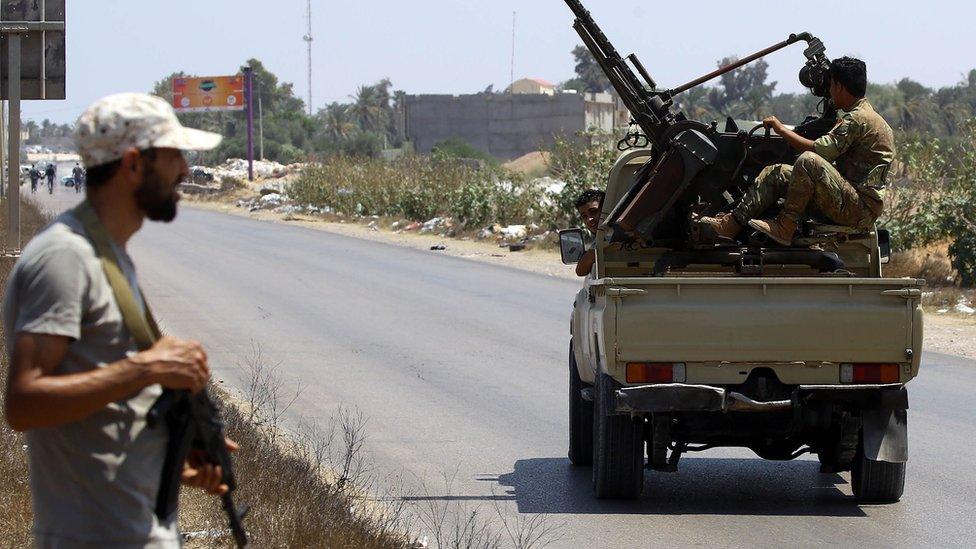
(695, 168)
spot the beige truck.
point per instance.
(782, 351)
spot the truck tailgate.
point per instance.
(766, 319)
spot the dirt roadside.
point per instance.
(944, 333)
(538, 261)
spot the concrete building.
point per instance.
(533, 86)
(505, 126)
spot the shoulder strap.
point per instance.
(142, 327)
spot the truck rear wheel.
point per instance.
(618, 448)
(876, 481)
(580, 418)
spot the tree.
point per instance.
(590, 78)
(336, 121)
(743, 91)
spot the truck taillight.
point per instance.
(655, 372)
(869, 373)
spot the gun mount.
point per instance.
(695, 168)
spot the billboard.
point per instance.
(42, 50)
(208, 93)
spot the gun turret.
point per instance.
(649, 111)
(693, 167)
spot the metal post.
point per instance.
(13, 145)
(3, 147)
(44, 57)
(260, 128)
(249, 92)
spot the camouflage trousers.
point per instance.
(812, 186)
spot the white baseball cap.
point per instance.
(117, 123)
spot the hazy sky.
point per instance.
(462, 46)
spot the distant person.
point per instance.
(50, 173)
(589, 205)
(78, 176)
(34, 177)
(78, 386)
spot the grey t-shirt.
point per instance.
(94, 481)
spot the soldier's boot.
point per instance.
(717, 229)
(781, 229)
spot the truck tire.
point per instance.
(876, 481)
(618, 448)
(580, 418)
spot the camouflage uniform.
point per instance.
(850, 193)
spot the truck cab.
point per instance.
(782, 350)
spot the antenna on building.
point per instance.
(511, 88)
(308, 40)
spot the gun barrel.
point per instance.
(732, 66)
(643, 72)
(235, 517)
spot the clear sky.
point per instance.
(462, 46)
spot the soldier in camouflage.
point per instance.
(840, 176)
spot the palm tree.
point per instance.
(337, 121)
(368, 109)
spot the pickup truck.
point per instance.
(784, 351)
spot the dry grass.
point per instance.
(314, 487)
(931, 263)
(304, 488)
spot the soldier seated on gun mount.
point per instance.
(78, 385)
(840, 176)
(589, 205)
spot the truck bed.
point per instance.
(722, 327)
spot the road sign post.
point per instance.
(249, 93)
(12, 246)
(32, 67)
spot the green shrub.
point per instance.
(459, 148)
(418, 188)
(475, 194)
(934, 197)
(581, 167)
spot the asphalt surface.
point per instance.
(460, 368)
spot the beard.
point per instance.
(157, 198)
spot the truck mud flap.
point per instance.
(885, 435)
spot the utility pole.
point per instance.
(260, 127)
(249, 100)
(308, 40)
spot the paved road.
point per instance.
(461, 366)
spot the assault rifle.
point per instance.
(194, 424)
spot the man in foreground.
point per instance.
(589, 205)
(840, 176)
(78, 387)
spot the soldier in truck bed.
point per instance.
(840, 176)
